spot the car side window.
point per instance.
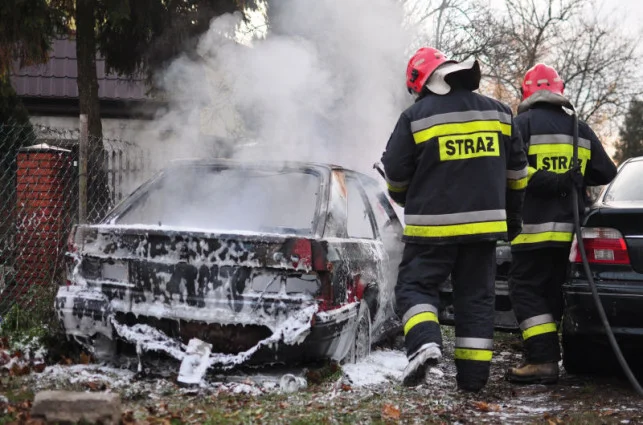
(382, 210)
(358, 213)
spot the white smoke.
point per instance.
(326, 84)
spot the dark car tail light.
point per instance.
(302, 253)
(603, 246)
(325, 299)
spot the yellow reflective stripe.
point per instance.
(396, 189)
(461, 128)
(426, 316)
(538, 330)
(473, 354)
(558, 148)
(543, 237)
(518, 184)
(456, 229)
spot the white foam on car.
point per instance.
(291, 331)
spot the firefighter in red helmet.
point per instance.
(540, 253)
(458, 167)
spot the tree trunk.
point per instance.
(98, 202)
(86, 54)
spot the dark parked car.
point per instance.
(266, 262)
(613, 237)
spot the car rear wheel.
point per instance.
(361, 346)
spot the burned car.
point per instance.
(260, 262)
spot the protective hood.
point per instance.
(545, 96)
(468, 73)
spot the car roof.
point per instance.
(633, 159)
(270, 163)
(176, 163)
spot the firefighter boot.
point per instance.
(425, 357)
(543, 373)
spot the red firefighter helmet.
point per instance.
(542, 77)
(423, 63)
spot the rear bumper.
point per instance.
(504, 318)
(86, 313)
(622, 302)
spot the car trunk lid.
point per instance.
(213, 277)
(197, 247)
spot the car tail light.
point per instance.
(325, 299)
(302, 253)
(602, 245)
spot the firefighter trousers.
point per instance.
(472, 268)
(535, 288)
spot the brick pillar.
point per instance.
(44, 194)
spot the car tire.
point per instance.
(361, 345)
(104, 349)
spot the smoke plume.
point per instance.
(326, 84)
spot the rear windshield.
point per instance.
(627, 184)
(224, 199)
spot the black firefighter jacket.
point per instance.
(458, 167)
(548, 134)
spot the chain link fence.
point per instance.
(40, 201)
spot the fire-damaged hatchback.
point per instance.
(258, 262)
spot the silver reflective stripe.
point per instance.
(547, 227)
(456, 117)
(400, 185)
(517, 174)
(477, 343)
(417, 309)
(555, 139)
(536, 320)
(457, 218)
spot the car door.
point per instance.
(389, 232)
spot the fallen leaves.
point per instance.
(19, 414)
(19, 370)
(85, 358)
(16, 363)
(96, 386)
(390, 412)
(486, 407)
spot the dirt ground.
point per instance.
(368, 392)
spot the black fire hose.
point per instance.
(590, 277)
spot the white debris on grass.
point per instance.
(31, 348)
(23, 353)
(124, 382)
(290, 383)
(114, 378)
(195, 363)
(380, 367)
